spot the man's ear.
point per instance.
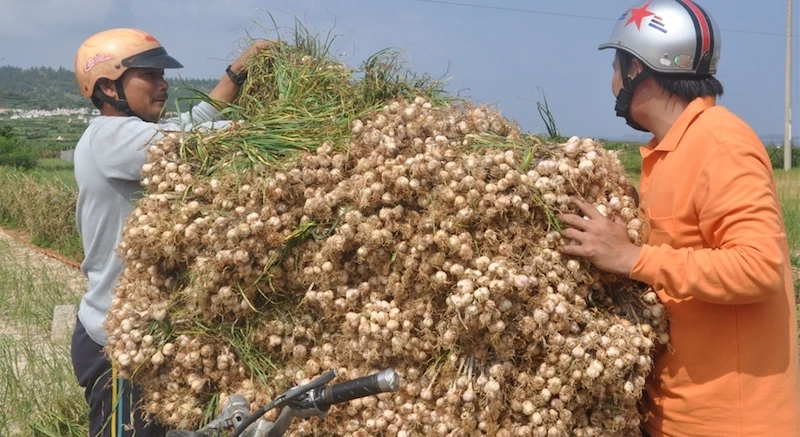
(108, 88)
(635, 68)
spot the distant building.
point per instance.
(16, 114)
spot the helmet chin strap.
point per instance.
(623, 104)
(120, 104)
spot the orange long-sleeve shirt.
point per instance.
(716, 252)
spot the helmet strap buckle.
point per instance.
(121, 104)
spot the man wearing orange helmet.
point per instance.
(715, 249)
(122, 71)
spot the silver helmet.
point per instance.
(669, 36)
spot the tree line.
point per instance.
(50, 88)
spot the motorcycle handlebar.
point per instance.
(384, 381)
(314, 399)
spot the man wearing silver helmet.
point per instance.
(715, 246)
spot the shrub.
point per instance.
(14, 152)
(776, 156)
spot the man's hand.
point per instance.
(258, 46)
(602, 241)
(227, 90)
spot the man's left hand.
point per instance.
(256, 47)
(600, 240)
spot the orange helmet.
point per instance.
(110, 53)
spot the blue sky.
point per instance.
(495, 56)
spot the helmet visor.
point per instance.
(153, 58)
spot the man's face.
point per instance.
(146, 91)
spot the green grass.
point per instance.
(42, 204)
(789, 192)
(56, 164)
(38, 391)
(628, 154)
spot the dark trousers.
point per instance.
(108, 416)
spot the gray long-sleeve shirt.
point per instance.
(108, 160)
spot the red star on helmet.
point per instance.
(639, 14)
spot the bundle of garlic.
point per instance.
(424, 239)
